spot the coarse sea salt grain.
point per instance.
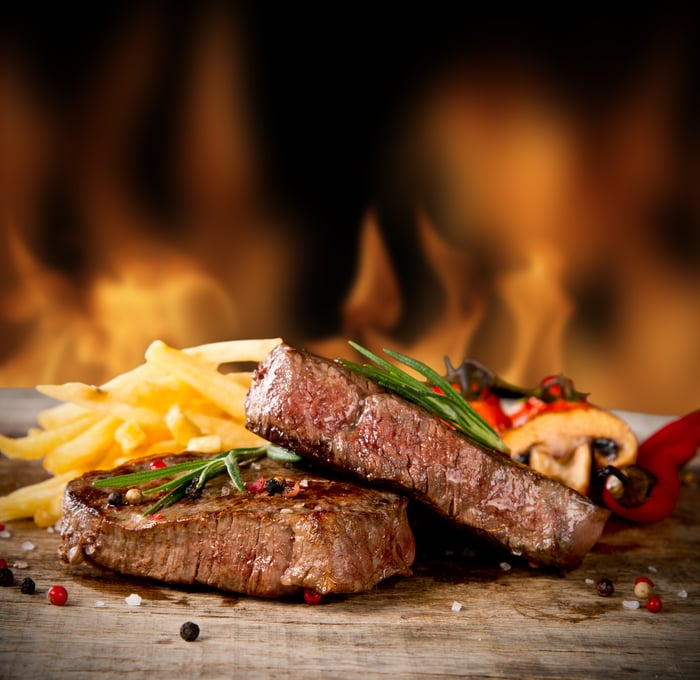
(28, 545)
(590, 582)
(5, 533)
(683, 594)
(20, 564)
(652, 569)
(99, 603)
(456, 606)
(133, 600)
(505, 566)
(630, 604)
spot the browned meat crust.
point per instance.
(319, 409)
(332, 537)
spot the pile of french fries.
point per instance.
(178, 400)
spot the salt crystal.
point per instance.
(456, 606)
(99, 603)
(20, 564)
(683, 594)
(653, 570)
(225, 490)
(28, 545)
(133, 600)
(630, 604)
(5, 533)
(590, 582)
(505, 566)
(255, 466)
(304, 483)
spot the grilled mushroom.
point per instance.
(569, 445)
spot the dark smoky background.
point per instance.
(515, 185)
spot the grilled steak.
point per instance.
(333, 536)
(321, 410)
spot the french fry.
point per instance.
(231, 351)
(39, 444)
(85, 450)
(50, 511)
(130, 435)
(243, 378)
(100, 399)
(163, 447)
(226, 393)
(207, 443)
(25, 501)
(233, 433)
(176, 400)
(180, 426)
(115, 456)
(59, 415)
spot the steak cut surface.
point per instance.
(331, 537)
(321, 410)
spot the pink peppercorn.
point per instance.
(654, 604)
(57, 595)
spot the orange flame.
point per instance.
(546, 199)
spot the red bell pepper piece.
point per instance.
(488, 406)
(663, 454)
(533, 406)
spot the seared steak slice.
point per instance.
(321, 410)
(331, 537)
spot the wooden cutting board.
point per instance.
(460, 615)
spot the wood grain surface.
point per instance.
(515, 622)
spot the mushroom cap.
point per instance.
(562, 443)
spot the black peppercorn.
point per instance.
(189, 631)
(273, 486)
(7, 578)
(115, 498)
(193, 491)
(28, 586)
(605, 587)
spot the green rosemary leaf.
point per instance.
(210, 470)
(234, 472)
(447, 403)
(166, 501)
(179, 476)
(281, 454)
(250, 453)
(147, 475)
(177, 482)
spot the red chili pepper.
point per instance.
(663, 455)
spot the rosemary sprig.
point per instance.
(190, 477)
(447, 404)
